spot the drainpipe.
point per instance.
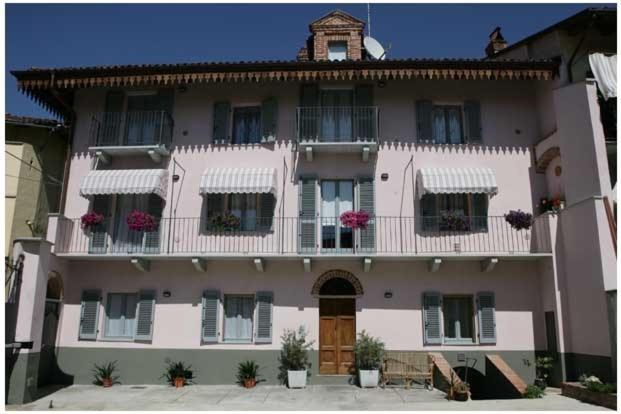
(573, 55)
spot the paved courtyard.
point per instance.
(270, 397)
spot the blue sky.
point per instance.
(49, 35)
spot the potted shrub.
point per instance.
(224, 222)
(355, 219)
(104, 374)
(542, 368)
(247, 373)
(519, 219)
(178, 374)
(294, 360)
(461, 391)
(369, 352)
(91, 219)
(451, 221)
(141, 221)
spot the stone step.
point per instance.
(516, 381)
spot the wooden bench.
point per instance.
(407, 366)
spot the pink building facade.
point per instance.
(246, 178)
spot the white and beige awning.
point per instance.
(455, 181)
(99, 182)
(239, 180)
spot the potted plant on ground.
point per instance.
(369, 352)
(178, 373)
(247, 373)
(519, 219)
(294, 360)
(104, 374)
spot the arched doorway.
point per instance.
(337, 291)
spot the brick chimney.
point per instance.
(496, 43)
(336, 26)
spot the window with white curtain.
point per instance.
(120, 315)
(337, 50)
(447, 124)
(238, 312)
(247, 125)
(458, 312)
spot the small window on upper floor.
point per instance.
(447, 124)
(247, 125)
(337, 50)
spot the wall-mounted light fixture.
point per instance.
(388, 294)
(166, 293)
(384, 176)
(175, 177)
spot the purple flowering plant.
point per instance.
(519, 219)
(141, 221)
(355, 219)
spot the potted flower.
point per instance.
(451, 221)
(294, 360)
(247, 373)
(104, 374)
(554, 204)
(461, 391)
(224, 222)
(141, 221)
(91, 219)
(355, 219)
(178, 374)
(369, 352)
(519, 219)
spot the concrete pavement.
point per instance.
(271, 397)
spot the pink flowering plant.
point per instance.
(91, 219)
(355, 219)
(141, 221)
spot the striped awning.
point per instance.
(100, 182)
(455, 181)
(239, 180)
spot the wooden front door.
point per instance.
(337, 334)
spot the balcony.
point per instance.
(396, 237)
(337, 130)
(131, 133)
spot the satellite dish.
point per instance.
(374, 48)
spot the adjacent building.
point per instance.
(211, 206)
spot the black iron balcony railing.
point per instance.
(337, 124)
(132, 128)
(293, 236)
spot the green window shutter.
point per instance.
(144, 315)
(424, 129)
(307, 188)
(479, 212)
(365, 120)
(429, 212)
(89, 314)
(109, 132)
(152, 238)
(309, 116)
(221, 127)
(487, 317)
(472, 111)
(209, 320)
(432, 316)
(269, 119)
(98, 238)
(265, 303)
(266, 208)
(366, 202)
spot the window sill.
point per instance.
(459, 342)
(112, 339)
(236, 341)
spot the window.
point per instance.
(447, 125)
(121, 315)
(458, 319)
(247, 125)
(254, 211)
(454, 212)
(337, 50)
(238, 312)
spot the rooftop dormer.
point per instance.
(336, 36)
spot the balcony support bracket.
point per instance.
(309, 154)
(366, 264)
(434, 264)
(199, 264)
(155, 156)
(365, 154)
(141, 264)
(488, 264)
(258, 263)
(307, 264)
(103, 157)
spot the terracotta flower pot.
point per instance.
(106, 382)
(250, 382)
(179, 382)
